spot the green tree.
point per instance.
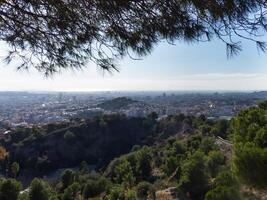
(174, 153)
(124, 173)
(215, 161)
(207, 145)
(194, 178)
(194, 142)
(39, 190)
(177, 148)
(171, 164)
(9, 189)
(144, 162)
(250, 164)
(248, 131)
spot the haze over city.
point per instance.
(198, 66)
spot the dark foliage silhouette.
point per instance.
(54, 35)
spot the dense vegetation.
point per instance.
(250, 138)
(116, 104)
(97, 141)
(187, 163)
(180, 152)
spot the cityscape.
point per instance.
(133, 100)
(25, 109)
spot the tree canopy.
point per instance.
(250, 145)
(53, 35)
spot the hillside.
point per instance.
(96, 141)
(178, 157)
(116, 104)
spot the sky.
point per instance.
(186, 67)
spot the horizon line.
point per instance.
(103, 91)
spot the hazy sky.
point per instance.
(198, 66)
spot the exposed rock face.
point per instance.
(167, 194)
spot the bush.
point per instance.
(171, 164)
